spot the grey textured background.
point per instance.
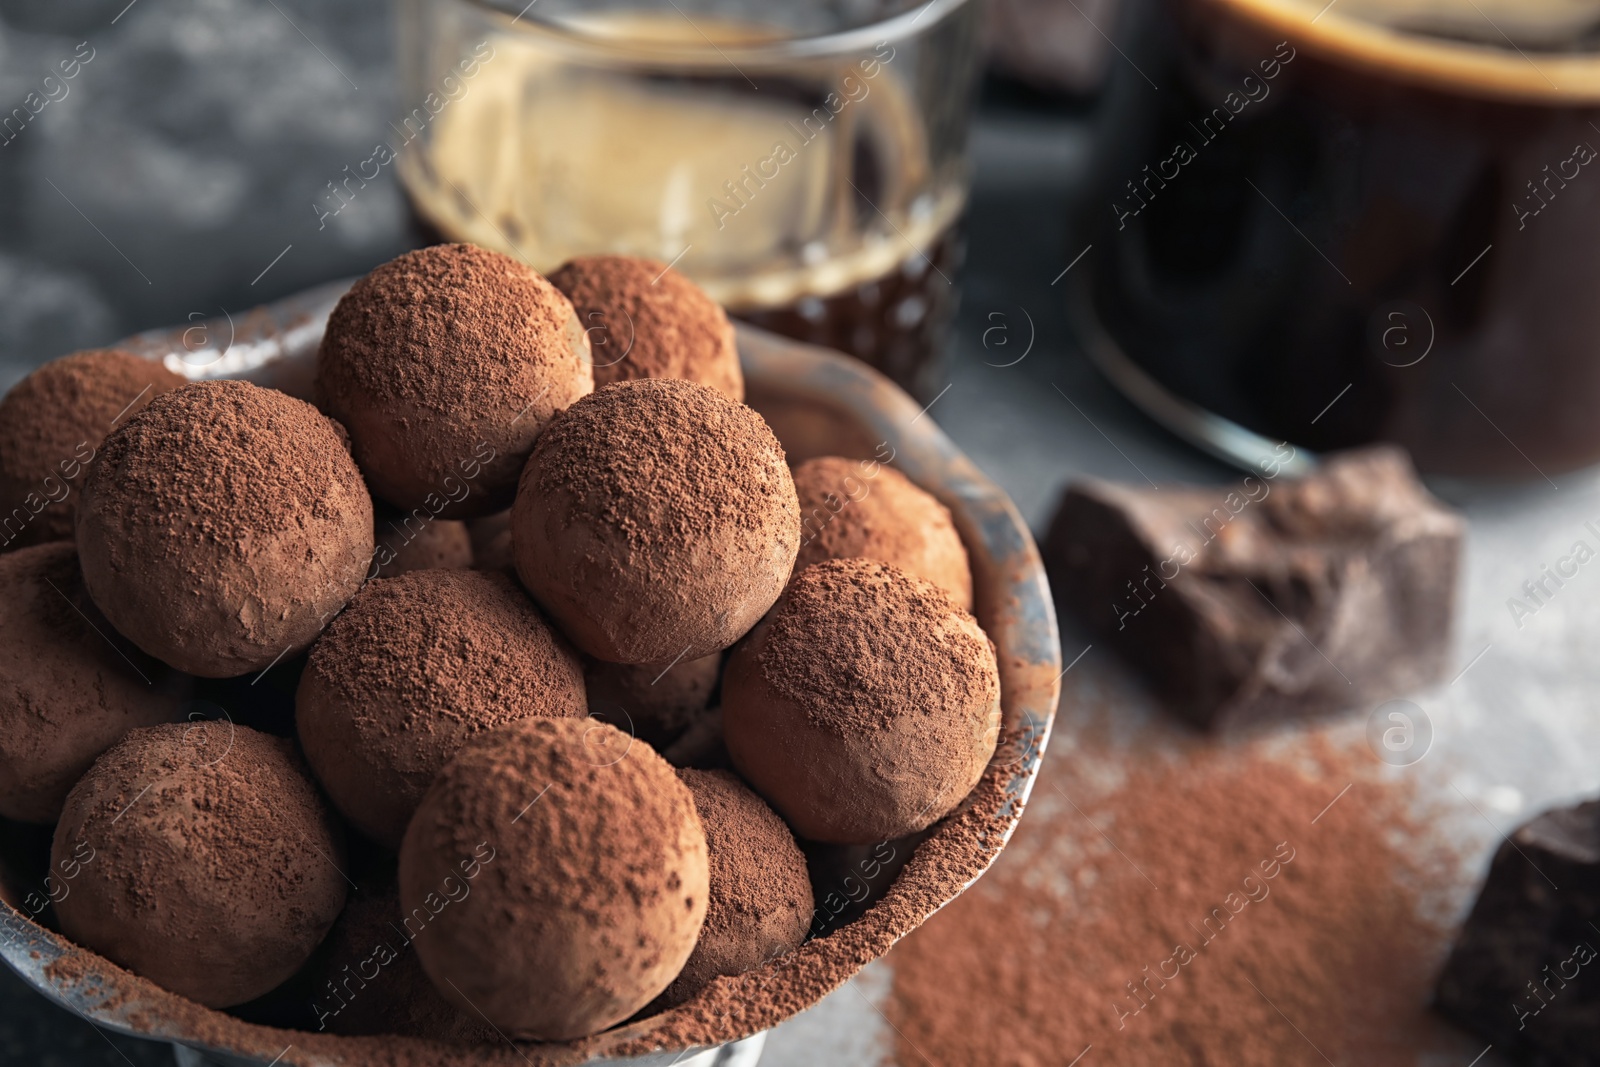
(184, 158)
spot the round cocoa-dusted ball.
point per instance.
(645, 320)
(223, 526)
(51, 426)
(373, 983)
(655, 702)
(205, 860)
(416, 541)
(655, 520)
(865, 706)
(861, 508)
(413, 669)
(761, 902)
(491, 542)
(575, 871)
(445, 364)
(70, 685)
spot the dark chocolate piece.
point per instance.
(1268, 598)
(1523, 973)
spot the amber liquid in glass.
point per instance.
(811, 204)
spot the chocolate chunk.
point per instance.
(1523, 972)
(1269, 598)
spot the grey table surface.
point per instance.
(178, 177)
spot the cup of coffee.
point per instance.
(1338, 222)
(805, 163)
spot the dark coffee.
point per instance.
(1333, 233)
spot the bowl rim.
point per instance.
(1014, 604)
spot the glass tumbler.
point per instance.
(805, 163)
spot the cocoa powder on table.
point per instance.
(1196, 915)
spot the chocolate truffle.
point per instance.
(413, 669)
(760, 905)
(655, 702)
(645, 320)
(656, 520)
(51, 426)
(865, 706)
(70, 685)
(373, 983)
(445, 364)
(588, 877)
(214, 866)
(860, 508)
(223, 526)
(491, 542)
(417, 542)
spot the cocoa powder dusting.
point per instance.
(1220, 921)
(67, 692)
(660, 460)
(414, 668)
(214, 453)
(578, 870)
(222, 525)
(864, 706)
(372, 983)
(726, 1010)
(656, 519)
(51, 426)
(760, 904)
(905, 655)
(215, 865)
(645, 320)
(445, 364)
(852, 507)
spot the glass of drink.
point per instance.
(805, 163)
(1340, 221)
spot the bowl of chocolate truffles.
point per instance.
(465, 666)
